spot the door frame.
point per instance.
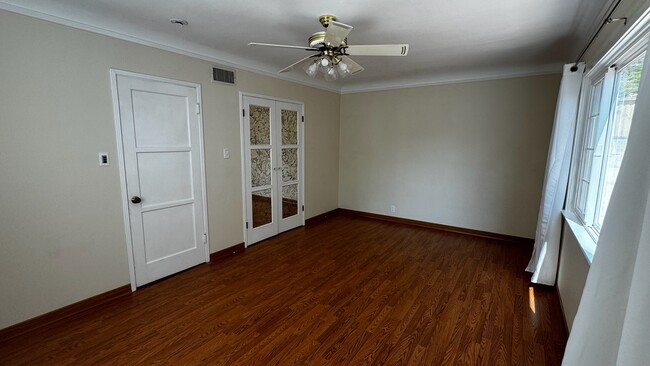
(114, 73)
(242, 144)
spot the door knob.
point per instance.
(136, 199)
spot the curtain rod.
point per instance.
(608, 19)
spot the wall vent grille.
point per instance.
(223, 76)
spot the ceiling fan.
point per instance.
(332, 51)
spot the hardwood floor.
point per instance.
(346, 291)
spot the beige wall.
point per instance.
(470, 155)
(61, 227)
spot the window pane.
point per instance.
(581, 203)
(587, 158)
(595, 99)
(627, 88)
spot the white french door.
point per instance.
(159, 132)
(273, 166)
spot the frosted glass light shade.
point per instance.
(330, 74)
(312, 69)
(343, 69)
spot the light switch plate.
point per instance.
(226, 153)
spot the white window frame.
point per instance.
(634, 43)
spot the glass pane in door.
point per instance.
(289, 165)
(260, 125)
(262, 207)
(289, 127)
(260, 167)
(289, 200)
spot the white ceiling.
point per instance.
(449, 40)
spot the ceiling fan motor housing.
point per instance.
(317, 40)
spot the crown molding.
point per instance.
(453, 79)
(214, 56)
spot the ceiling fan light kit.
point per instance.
(332, 51)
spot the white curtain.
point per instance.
(544, 261)
(612, 326)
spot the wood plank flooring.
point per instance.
(346, 291)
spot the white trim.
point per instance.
(445, 80)
(114, 73)
(204, 188)
(214, 56)
(585, 241)
(302, 165)
(261, 96)
(122, 169)
(242, 163)
(586, 89)
(155, 78)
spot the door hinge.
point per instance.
(303, 208)
(246, 224)
(198, 108)
(303, 118)
(205, 238)
(243, 113)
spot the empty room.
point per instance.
(347, 183)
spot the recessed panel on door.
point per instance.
(165, 177)
(169, 232)
(161, 119)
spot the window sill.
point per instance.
(587, 243)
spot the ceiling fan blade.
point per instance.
(336, 33)
(290, 67)
(283, 46)
(354, 67)
(378, 50)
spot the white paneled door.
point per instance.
(273, 166)
(161, 140)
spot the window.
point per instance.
(608, 108)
